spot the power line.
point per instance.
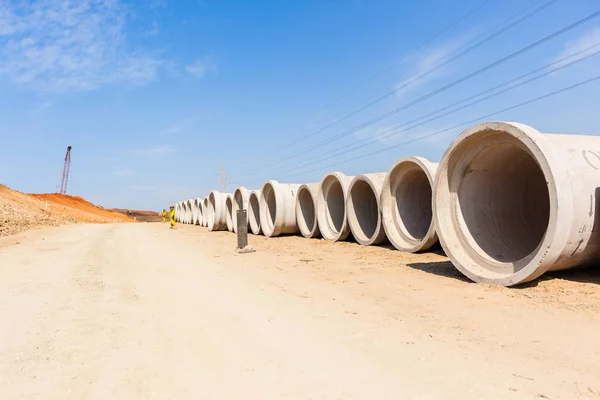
(450, 85)
(452, 127)
(426, 73)
(394, 130)
(419, 47)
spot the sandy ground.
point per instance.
(135, 311)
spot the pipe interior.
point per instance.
(364, 210)
(229, 205)
(504, 201)
(238, 200)
(335, 206)
(413, 203)
(306, 210)
(271, 204)
(254, 210)
(211, 210)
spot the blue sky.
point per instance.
(152, 94)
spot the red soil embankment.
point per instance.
(20, 211)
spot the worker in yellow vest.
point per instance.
(172, 216)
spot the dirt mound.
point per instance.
(80, 205)
(20, 211)
(139, 215)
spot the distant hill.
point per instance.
(138, 215)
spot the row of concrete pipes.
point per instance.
(506, 202)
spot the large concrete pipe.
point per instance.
(331, 206)
(254, 211)
(406, 204)
(363, 208)
(197, 211)
(229, 215)
(177, 212)
(278, 208)
(511, 203)
(217, 213)
(241, 196)
(183, 212)
(205, 212)
(190, 211)
(306, 210)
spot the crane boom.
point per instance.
(65, 174)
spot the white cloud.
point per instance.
(426, 66)
(154, 151)
(200, 67)
(58, 46)
(123, 172)
(588, 39)
(179, 126)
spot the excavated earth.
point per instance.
(20, 211)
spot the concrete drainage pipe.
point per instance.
(363, 208)
(190, 211)
(205, 212)
(306, 210)
(217, 214)
(406, 202)
(184, 212)
(197, 211)
(331, 206)
(511, 203)
(241, 196)
(278, 208)
(254, 211)
(229, 209)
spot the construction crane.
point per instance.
(65, 174)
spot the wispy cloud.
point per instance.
(58, 46)
(199, 67)
(154, 151)
(425, 66)
(585, 41)
(154, 30)
(123, 171)
(179, 127)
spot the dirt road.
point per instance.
(140, 312)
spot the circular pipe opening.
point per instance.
(335, 208)
(254, 213)
(504, 202)
(496, 203)
(412, 211)
(305, 212)
(211, 210)
(229, 208)
(363, 211)
(271, 208)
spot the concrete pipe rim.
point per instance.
(363, 229)
(240, 202)
(331, 229)
(254, 212)
(416, 235)
(205, 216)
(190, 210)
(526, 249)
(306, 202)
(229, 212)
(198, 210)
(270, 219)
(212, 209)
